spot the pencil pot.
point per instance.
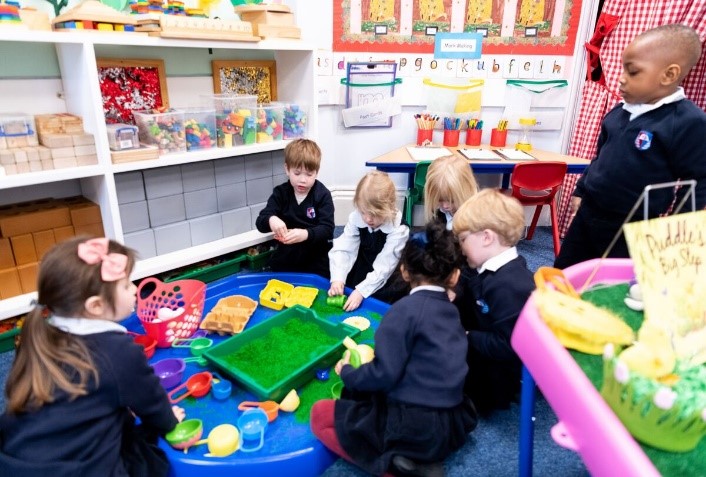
(451, 137)
(473, 137)
(424, 135)
(498, 138)
(169, 311)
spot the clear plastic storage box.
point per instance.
(164, 130)
(122, 136)
(235, 122)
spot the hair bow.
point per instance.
(420, 239)
(113, 265)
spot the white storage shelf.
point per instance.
(76, 53)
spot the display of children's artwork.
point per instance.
(509, 26)
(129, 85)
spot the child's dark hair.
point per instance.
(432, 255)
(47, 357)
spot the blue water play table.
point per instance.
(290, 448)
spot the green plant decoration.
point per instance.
(58, 5)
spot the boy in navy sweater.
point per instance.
(654, 136)
(300, 213)
(488, 226)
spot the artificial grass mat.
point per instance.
(667, 463)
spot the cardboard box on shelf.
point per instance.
(9, 283)
(7, 260)
(28, 276)
(43, 241)
(33, 218)
(85, 213)
(63, 233)
(23, 249)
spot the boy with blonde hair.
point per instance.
(300, 213)
(365, 256)
(488, 227)
(655, 135)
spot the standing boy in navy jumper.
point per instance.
(488, 226)
(300, 213)
(654, 136)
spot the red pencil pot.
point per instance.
(451, 137)
(473, 137)
(498, 138)
(424, 135)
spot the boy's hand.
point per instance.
(179, 413)
(336, 289)
(574, 205)
(353, 301)
(342, 362)
(278, 227)
(294, 236)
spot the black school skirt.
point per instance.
(373, 429)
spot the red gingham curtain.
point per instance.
(636, 16)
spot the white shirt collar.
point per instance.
(435, 288)
(449, 219)
(386, 228)
(637, 110)
(494, 263)
(85, 326)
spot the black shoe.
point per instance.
(408, 467)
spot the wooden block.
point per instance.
(87, 160)
(23, 249)
(93, 230)
(62, 153)
(7, 260)
(20, 155)
(22, 167)
(277, 31)
(63, 233)
(269, 18)
(9, 283)
(3, 143)
(56, 140)
(28, 276)
(85, 150)
(35, 166)
(47, 164)
(17, 141)
(143, 153)
(65, 162)
(25, 220)
(7, 157)
(86, 213)
(44, 152)
(10, 169)
(43, 241)
(32, 153)
(82, 139)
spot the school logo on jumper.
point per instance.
(484, 308)
(643, 141)
(310, 212)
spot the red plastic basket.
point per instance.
(187, 294)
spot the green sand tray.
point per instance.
(668, 464)
(281, 353)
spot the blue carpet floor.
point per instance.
(493, 447)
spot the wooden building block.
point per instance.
(85, 213)
(32, 218)
(55, 140)
(35, 166)
(65, 162)
(44, 152)
(43, 241)
(17, 141)
(7, 260)
(64, 233)
(82, 139)
(22, 167)
(7, 157)
(62, 152)
(9, 283)
(28, 276)
(10, 169)
(32, 153)
(93, 230)
(23, 249)
(20, 155)
(47, 164)
(87, 160)
(85, 150)
(3, 143)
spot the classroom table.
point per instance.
(289, 448)
(399, 161)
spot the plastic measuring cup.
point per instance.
(252, 424)
(222, 441)
(197, 346)
(198, 385)
(169, 371)
(270, 408)
(221, 388)
(185, 434)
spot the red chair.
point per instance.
(536, 184)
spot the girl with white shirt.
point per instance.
(367, 254)
(450, 182)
